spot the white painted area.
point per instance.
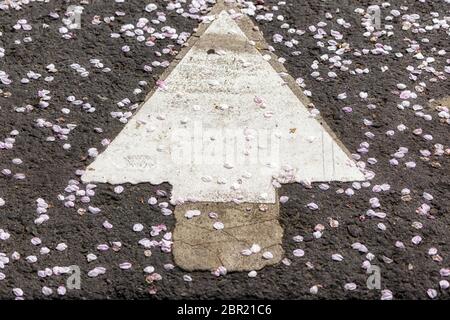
(208, 135)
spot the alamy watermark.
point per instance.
(374, 279)
(73, 282)
(72, 19)
(374, 12)
(205, 145)
(200, 144)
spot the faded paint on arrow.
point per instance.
(223, 127)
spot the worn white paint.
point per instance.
(208, 99)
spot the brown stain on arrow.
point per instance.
(198, 246)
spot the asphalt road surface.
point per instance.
(65, 93)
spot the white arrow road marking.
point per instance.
(221, 128)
